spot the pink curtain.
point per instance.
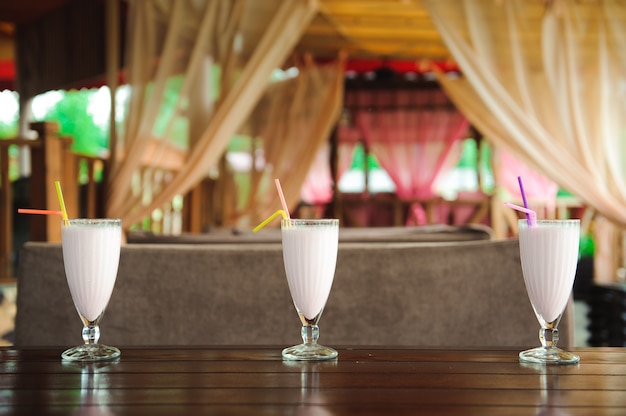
(536, 186)
(318, 186)
(412, 134)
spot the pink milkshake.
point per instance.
(549, 253)
(549, 256)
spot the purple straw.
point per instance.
(521, 188)
(529, 212)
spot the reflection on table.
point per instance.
(363, 381)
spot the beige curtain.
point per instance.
(217, 55)
(293, 121)
(546, 81)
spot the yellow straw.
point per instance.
(270, 218)
(61, 202)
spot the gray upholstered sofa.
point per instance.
(423, 294)
(422, 233)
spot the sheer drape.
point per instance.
(545, 81)
(209, 61)
(539, 190)
(318, 186)
(413, 141)
(292, 122)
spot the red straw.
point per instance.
(39, 211)
(282, 197)
(521, 188)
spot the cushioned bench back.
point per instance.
(459, 294)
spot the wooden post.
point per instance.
(68, 178)
(47, 167)
(6, 215)
(193, 209)
(91, 194)
(429, 206)
(335, 210)
(398, 212)
(498, 220)
(51, 160)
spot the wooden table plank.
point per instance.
(613, 355)
(493, 382)
(219, 380)
(320, 396)
(354, 409)
(35, 367)
(361, 409)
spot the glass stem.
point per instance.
(549, 337)
(310, 333)
(91, 334)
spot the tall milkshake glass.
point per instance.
(549, 255)
(310, 257)
(91, 253)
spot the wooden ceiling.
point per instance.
(394, 29)
(366, 29)
(22, 11)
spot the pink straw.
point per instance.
(282, 197)
(521, 188)
(530, 214)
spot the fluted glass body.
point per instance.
(310, 256)
(91, 253)
(549, 256)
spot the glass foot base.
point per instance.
(91, 352)
(309, 352)
(543, 355)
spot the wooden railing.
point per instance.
(51, 160)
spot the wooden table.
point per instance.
(363, 381)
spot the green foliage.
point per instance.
(587, 246)
(8, 130)
(71, 112)
(170, 96)
(358, 159)
(9, 114)
(240, 143)
(469, 154)
(484, 166)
